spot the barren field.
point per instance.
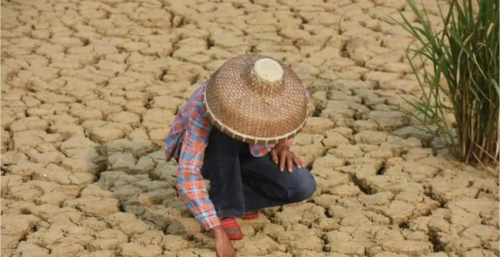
(90, 88)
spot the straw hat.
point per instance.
(256, 99)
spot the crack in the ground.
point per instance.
(326, 245)
(437, 245)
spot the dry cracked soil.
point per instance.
(89, 89)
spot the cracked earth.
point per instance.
(89, 89)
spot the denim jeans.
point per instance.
(240, 182)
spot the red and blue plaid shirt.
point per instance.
(192, 127)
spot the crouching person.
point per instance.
(236, 131)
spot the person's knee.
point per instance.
(304, 186)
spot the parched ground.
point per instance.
(89, 89)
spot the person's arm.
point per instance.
(190, 183)
(170, 146)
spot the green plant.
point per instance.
(464, 55)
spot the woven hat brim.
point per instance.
(251, 139)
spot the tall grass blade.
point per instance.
(463, 54)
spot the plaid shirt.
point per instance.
(192, 127)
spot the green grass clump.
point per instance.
(463, 80)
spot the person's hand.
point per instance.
(223, 245)
(281, 154)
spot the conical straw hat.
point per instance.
(256, 99)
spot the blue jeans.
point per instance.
(240, 182)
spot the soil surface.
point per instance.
(89, 89)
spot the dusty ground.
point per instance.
(89, 90)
